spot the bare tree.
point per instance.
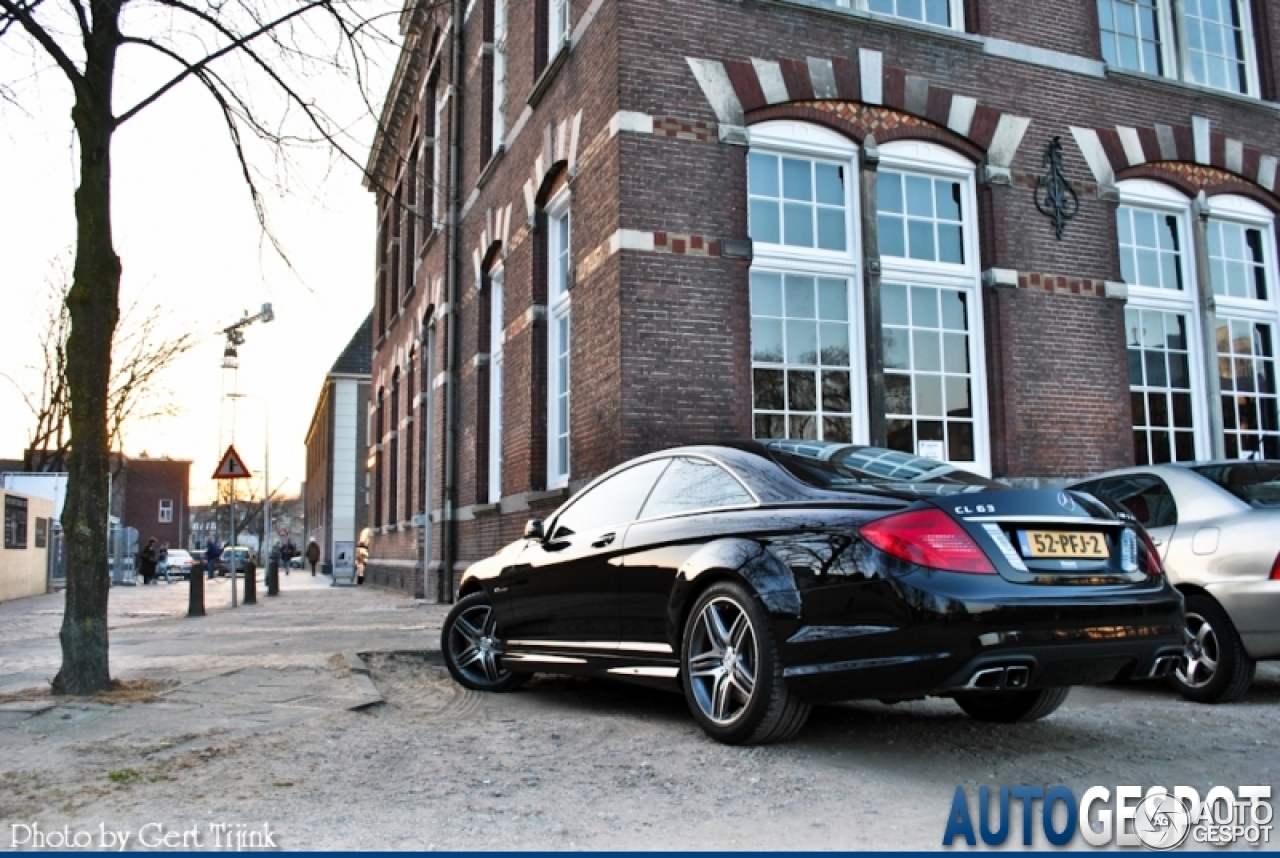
(143, 349)
(255, 59)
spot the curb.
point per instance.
(370, 696)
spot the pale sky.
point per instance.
(188, 240)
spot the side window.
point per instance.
(1147, 497)
(691, 484)
(615, 501)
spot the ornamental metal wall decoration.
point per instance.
(1055, 196)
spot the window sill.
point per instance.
(494, 160)
(482, 509)
(548, 495)
(548, 74)
(427, 242)
(887, 21)
(1186, 88)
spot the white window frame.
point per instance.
(165, 513)
(955, 11)
(497, 338)
(785, 138)
(499, 75)
(559, 284)
(1161, 198)
(437, 163)
(930, 159)
(1175, 55)
(558, 26)
(1246, 212)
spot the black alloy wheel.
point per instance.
(1012, 707)
(473, 649)
(731, 673)
(1214, 668)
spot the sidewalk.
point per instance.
(239, 672)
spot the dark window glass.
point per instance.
(615, 501)
(1144, 495)
(1257, 484)
(691, 484)
(847, 467)
(15, 522)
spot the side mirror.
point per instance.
(533, 529)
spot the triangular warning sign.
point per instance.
(231, 467)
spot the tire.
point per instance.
(1012, 707)
(731, 672)
(1215, 668)
(472, 648)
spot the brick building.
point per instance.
(334, 495)
(151, 495)
(1036, 239)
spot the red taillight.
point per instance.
(1155, 566)
(928, 537)
(1275, 568)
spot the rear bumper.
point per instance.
(1254, 608)
(948, 629)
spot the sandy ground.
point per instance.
(562, 763)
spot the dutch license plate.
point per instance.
(1060, 544)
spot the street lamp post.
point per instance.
(264, 547)
(231, 361)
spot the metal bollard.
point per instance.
(273, 578)
(195, 599)
(251, 584)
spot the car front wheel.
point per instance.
(473, 648)
(1215, 668)
(731, 672)
(1012, 707)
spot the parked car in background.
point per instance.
(761, 578)
(181, 563)
(1217, 527)
(244, 558)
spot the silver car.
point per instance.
(1217, 526)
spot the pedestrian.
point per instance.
(162, 564)
(147, 558)
(212, 551)
(313, 556)
(287, 553)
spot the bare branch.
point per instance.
(21, 12)
(237, 43)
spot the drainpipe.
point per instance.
(449, 536)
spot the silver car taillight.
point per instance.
(1128, 550)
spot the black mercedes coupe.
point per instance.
(763, 577)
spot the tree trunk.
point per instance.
(93, 303)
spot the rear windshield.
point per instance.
(845, 467)
(1255, 483)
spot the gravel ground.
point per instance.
(574, 764)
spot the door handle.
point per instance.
(604, 541)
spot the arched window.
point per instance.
(497, 337)
(559, 282)
(1175, 349)
(808, 298)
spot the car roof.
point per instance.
(1197, 497)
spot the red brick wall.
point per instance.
(660, 348)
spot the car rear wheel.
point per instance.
(1215, 667)
(1012, 707)
(473, 648)
(731, 672)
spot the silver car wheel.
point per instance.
(723, 658)
(1200, 662)
(475, 647)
